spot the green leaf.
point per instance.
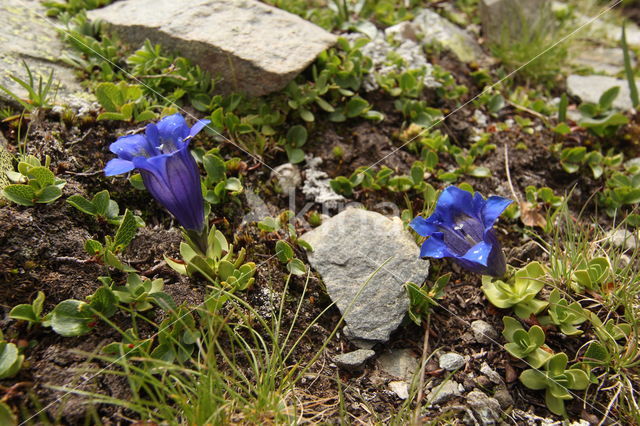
(533, 379)
(109, 96)
(42, 175)
(6, 415)
(104, 301)
(284, 252)
(562, 129)
(233, 184)
(24, 312)
(10, 360)
(49, 194)
(215, 167)
(295, 155)
(297, 136)
(480, 172)
(71, 318)
(101, 203)
(82, 204)
(126, 231)
(562, 108)
(607, 98)
(20, 194)
(136, 181)
(356, 106)
(296, 267)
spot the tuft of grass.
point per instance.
(616, 300)
(515, 49)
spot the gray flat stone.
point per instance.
(353, 361)
(400, 388)
(399, 363)
(601, 59)
(436, 29)
(589, 89)
(256, 48)
(26, 35)
(365, 259)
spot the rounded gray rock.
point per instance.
(484, 332)
(452, 361)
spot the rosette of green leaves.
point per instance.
(518, 291)
(141, 294)
(218, 265)
(591, 274)
(124, 102)
(523, 344)
(177, 337)
(556, 380)
(102, 207)
(33, 183)
(10, 359)
(107, 252)
(563, 314)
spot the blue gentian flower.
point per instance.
(461, 227)
(168, 170)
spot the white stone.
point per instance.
(589, 89)
(316, 185)
(400, 388)
(256, 48)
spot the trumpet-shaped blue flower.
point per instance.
(461, 227)
(168, 170)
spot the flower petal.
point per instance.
(452, 202)
(435, 247)
(117, 166)
(200, 124)
(173, 128)
(479, 253)
(423, 226)
(493, 209)
(127, 147)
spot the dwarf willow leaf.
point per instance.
(126, 231)
(20, 194)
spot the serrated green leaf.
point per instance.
(104, 301)
(43, 175)
(49, 194)
(126, 231)
(20, 194)
(82, 204)
(109, 96)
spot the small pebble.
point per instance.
(452, 361)
(484, 332)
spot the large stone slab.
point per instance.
(27, 35)
(364, 259)
(589, 88)
(607, 60)
(256, 48)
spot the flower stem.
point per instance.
(198, 240)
